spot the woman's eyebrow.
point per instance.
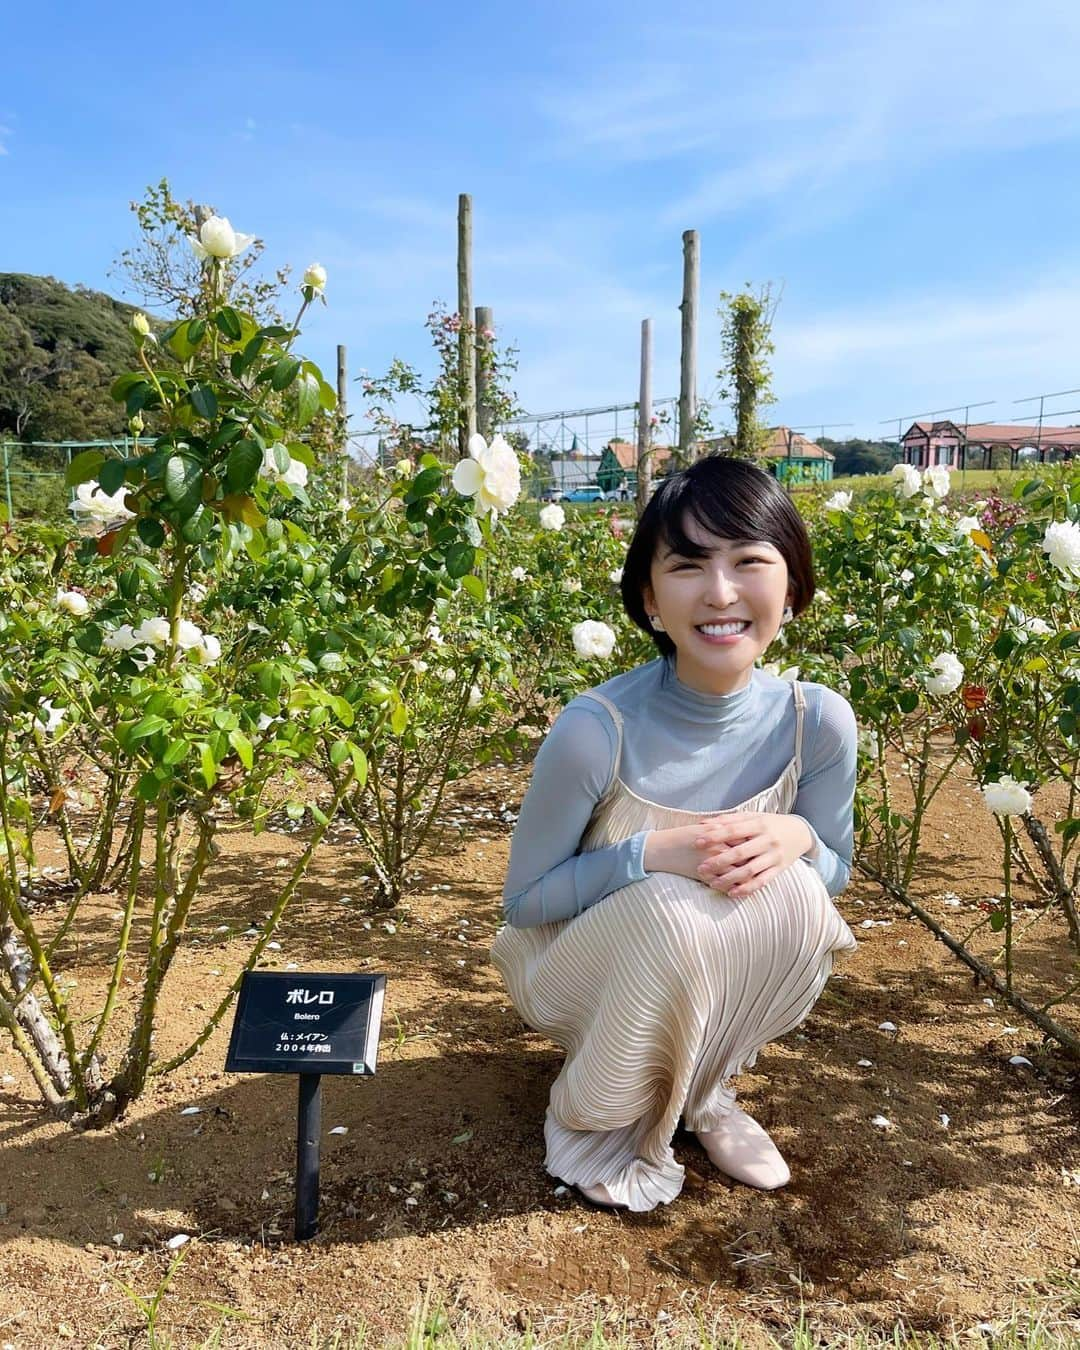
(703, 550)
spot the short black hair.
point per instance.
(728, 497)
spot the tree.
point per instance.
(745, 374)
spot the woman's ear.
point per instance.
(648, 599)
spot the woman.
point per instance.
(668, 897)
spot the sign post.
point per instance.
(308, 1024)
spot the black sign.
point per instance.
(306, 1023)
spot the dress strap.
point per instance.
(616, 717)
(800, 710)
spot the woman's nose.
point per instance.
(722, 590)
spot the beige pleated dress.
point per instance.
(663, 991)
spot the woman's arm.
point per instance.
(826, 795)
(548, 879)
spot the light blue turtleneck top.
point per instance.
(684, 749)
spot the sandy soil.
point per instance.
(437, 1189)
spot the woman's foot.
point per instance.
(742, 1150)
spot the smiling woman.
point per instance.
(668, 897)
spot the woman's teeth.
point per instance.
(723, 629)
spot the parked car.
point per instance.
(551, 494)
(587, 492)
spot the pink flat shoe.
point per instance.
(742, 1150)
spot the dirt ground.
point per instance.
(969, 1202)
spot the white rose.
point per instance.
(434, 634)
(851, 620)
(448, 675)
(475, 696)
(1007, 797)
(140, 324)
(592, 638)
(907, 575)
(73, 602)
(104, 507)
(615, 577)
(143, 657)
(890, 602)
(822, 597)
(518, 574)
(315, 277)
(208, 650)
(948, 674)
(490, 475)
(218, 239)
(1061, 542)
(120, 639)
(965, 525)
(908, 479)
(867, 743)
(419, 666)
(188, 635)
(936, 481)
(154, 631)
(571, 585)
(403, 468)
(1034, 626)
(839, 501)
(552, 517)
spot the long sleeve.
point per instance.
(548, 879)
(826, 794)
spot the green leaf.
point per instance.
(268, 678)
(147, 726)
(242, 746)
(183, 480)
(360, 766)
(908, 700)
(207, 765)
(459, 559)
(88, 639)
(284, 372)
(307, 399)
(243, 465)
(111, 475)
(151, 532)
(84, 467)
(228, 322)
(318, 814)
(425, 483)
(997, 920)
(339, 753)
(175, 752)
(204, 401)
(399, 719)
(474, 586)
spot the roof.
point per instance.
(626, 454)
(998, 433)
(783, 443)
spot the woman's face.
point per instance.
(721, 611)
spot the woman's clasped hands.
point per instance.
(734, 853)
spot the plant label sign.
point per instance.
(301, 1022)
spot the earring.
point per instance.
(657, 623)
(787, 615)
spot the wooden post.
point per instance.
(343, 419)
(644, 432)
(485, 324)
(466, 365)
(688, 366)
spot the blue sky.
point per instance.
(906, 172)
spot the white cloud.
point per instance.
(5, 132)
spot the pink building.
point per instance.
(928, 443)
